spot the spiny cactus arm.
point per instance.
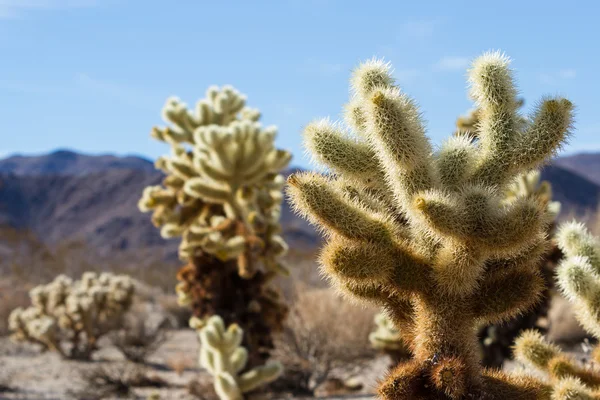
(315, 197)
(573, 389)
(334, 148)
(503, 295)
(210, 192)
(364, 262)
(259, 376)
(526, 260)
(581, 284)
(515, 386)
(396, 133)
(369, 75)
(405, 381)
(505, 150)
(532, 350)
(472, 217)
(575, 240)
(550, 126)
(222, 355)
(227, 387)
(493, 90)
(456, 161)
(579, 274)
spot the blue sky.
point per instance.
(93, 75)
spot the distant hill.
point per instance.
(584, 164)
(576, 193)
(67, 195)
(66, 162)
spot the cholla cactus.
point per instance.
(530, 185)
(222, 355)
(387, 338)
(78, 312)
(578, 276)
(427, 235)
(222, 195)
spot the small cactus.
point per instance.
(77, 312)
(222, 195)
(222, 355)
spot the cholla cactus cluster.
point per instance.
(388, 338)
(578, 276)
(77, 312)
(222, 355)
(222, 195)
(427, 235)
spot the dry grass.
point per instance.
(179, 363)
(12, 295)
(5, 383)
(116, 380)
(178, 315)
(136, 340)
(324, 334)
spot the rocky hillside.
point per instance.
(66, 195)
(584, 164)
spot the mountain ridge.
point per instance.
(67, 195)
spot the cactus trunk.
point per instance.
(217, 289)
(444, 332)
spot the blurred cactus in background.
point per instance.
(428, 235)
(578, 276)
(222, 195)
(75, 312)
(222, 355)
(497, 339)
(387, 338)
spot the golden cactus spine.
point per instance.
(222, 194)
(426, 234)
(222, 355)
(578, 276)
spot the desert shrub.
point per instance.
(12, 295)
(136, 340)
(114, 380)
(177, 315)
(70, 312)
(323, 334)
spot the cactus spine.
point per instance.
(578, 276)
(222, 355)
(76, 312)
(222, 195)
(427, 235)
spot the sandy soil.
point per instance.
(37, 376)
